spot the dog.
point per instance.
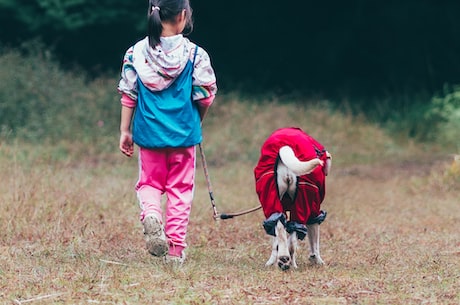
(290, 183)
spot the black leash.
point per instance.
(211, 195)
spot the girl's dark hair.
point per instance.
(166, 10)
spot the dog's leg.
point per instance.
(292, 240)
(274, 254)
(280, 250)
(313, 238)
(284, 259)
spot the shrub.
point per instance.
(39, 100)
(445, 115)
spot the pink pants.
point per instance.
(169, 171)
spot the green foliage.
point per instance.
(338, 48)
(67, 15)
(39, 101)
(444, 117)
(418, 116)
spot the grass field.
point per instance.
(69, 229)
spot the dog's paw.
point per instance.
(316, 260)
(284, 262)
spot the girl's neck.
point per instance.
(169, 30)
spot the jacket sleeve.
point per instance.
(128, 82)
(204, 80)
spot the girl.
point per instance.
(167, 85)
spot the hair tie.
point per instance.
(155, 8)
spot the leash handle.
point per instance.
(208, 181)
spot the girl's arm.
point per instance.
(126, 138)
(128, 89)
(203, 106)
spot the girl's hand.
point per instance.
(126, 144)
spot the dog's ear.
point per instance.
(299, 168)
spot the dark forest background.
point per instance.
(331, 48)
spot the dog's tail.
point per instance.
(298, 167)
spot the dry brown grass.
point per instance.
(70, 233)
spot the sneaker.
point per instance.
(155, 238)
(175, 260)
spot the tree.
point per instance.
(79, 31)
(375, 47)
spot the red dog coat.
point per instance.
(311, 188)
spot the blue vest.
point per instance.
(167, 118)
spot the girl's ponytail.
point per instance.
(166, 10)
(154, 23)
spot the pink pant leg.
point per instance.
(152, 178)
(169, 171)
(179, 192)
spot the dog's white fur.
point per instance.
(284, 245)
